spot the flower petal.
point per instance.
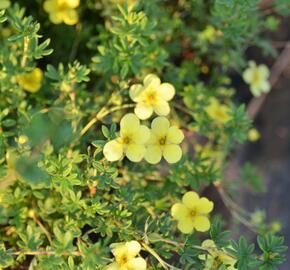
(72, 3)
(201, 223)
(162, 108)
(135, 152)
(166, 91)
(153, 154)
(142, 135)
(113, 266)
(129, 123)
(152, 80)
(179, 211)
(264, 71)
(204, 206)
(70, 16)
(143, 111)
(185, 225)
(135, 91)
(137, 264)
(172, 153)
(113, 150)
(174, 135)
(190, 199)
(160, 126)
(133, 248)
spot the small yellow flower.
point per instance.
(276, 226)
(126, 257)
(131, 141)
(209, 34)
(257, 77)
(23, 139)
(217, 111)
(253, 135)
(31, 81)
(164, 141)
(192, 213)
(62, 11)
(4, 4)
(215, 257)
(152, 96)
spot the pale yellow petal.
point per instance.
(70, 17)
(161, 108)
(56, 17)
(50, 5)
(160, 126)
(204, 206)
(248, 75)
(208, 243)
(190, 199)
(135, 91)
(185, 225)
(265, 86)
(133, 248)
(201, 223)
(113, 266)
(129, 123)
(151, 80)
(166, 91)
(142, 135)
(179, 211)
(174, 135)
(143, 111)
(135, 152)
(137, 264)
(72, 3)
(113, 150)
(153, 154)
(172, 153)
(264, 71)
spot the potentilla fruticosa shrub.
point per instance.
(115, 117)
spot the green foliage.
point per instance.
(62, 204)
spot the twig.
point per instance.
(101, 114)
(280, 65)
(43, 252)
(45, 231)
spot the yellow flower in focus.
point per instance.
(215, 257)
(126, 257)
(22, 139)
(253, 135)
(131, 141)
(152, 96)
(217, 111)
(164, 141)
(257, 77)
(192, 213)
(31, 81)
(4, 4)
(62, 11)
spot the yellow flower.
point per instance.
(4, 4)
(217, 111)
(164, 141)
(126, 257)
(192, 213)
(257, 78)
(22, 139)
(253, 135)
(62, 11)
(151, 96)
(209, 34)
(131, 141)
(31, 81)
(215, 257)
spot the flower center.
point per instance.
(162, 141)
(192, 213)
(151, 97)
(126, 140)
(123, 260)
(256, 77)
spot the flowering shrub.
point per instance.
(116, 119)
